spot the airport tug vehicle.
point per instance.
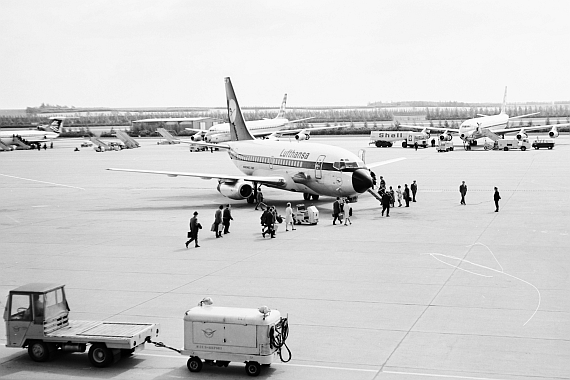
(36, 317)
(306, 215)
(219, 335)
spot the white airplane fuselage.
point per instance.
(308, 167)
(7, 137)
(470, 129)
(221, 132)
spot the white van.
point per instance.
(506, 144)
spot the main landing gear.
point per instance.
(307, 196)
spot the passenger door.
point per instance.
(319, 167)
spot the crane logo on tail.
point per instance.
(232, 110)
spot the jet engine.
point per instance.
(445, 137)
(553, 133)
(196, 137)
(302, 136)
(217, 138)
(521, 135)
(237, 190)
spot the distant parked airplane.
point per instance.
(493, 127)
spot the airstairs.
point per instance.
(375, 194)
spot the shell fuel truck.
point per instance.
(37, 318)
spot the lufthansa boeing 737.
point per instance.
(308, 168)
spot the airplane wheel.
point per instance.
(194, 364)
(306, 196)
(316, 197)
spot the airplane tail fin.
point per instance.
(504, 106)
(55, 125)
(238, 129)
(281, 113)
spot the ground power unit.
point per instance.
(219, 335)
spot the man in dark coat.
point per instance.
(336, 210)
(268, 221)
(227, 216)
(218, 221)
(386, 200)
(496, 197)
(194, 228)
(407, 195)
(463, 191)
(414, 188)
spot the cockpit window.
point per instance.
(348, 165)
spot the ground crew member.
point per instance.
(496, 197)
(463, 191)
(227, 216)
(414, 188)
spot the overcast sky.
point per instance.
(176, 53)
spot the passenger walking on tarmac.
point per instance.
(414, 188)
(289, 217)
(218, 222)
(463, 191)
(416, 147)
(227, 216)
(45, 146)
(386, 204)
(259, 200)
(348, 214)
(382, 183)
(496, 197)
(194, 228)
(268, 221)
(51, 145)
(373, 175)
(407, 195)
(433, 143)
(392, 197)
(336, 211)
(399, 193)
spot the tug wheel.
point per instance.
(100, 356)
(252, 368)
(194, 364)
(39, 351)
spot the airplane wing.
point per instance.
(528, 129)
(300, 120)
(289, 132)
(380, 163)
(430, 128)
(222, 177)
(528, 114)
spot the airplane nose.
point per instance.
(361, 180)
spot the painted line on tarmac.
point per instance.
(35, 180)
(440, 375)
(282, 364)
(502, 271)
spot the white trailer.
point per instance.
(220, 335)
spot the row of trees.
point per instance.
(331, 116)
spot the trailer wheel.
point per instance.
(252, 368)
(100, 356)
(506, 149)
(39, 351)
(194, 364)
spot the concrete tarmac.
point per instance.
(437, 290)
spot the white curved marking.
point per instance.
(489, 268)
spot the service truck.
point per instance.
(388, 138)
(507, 144)
(36, 317)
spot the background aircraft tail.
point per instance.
(238, 129)
(504, 106)
(281, 113)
